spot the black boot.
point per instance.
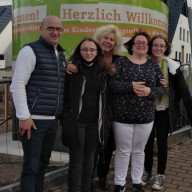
(103, 184)
(119, 188)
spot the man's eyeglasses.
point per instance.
(52, 29)
(140, 43)
(84, 50)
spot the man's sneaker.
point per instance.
(119, 188)
(146, 177)
(137, 187)
(158, 185)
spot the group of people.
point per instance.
(117, 102)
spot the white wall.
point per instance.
(178, 43)
(6, 38)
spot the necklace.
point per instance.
(88, 65)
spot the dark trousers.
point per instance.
(103, 156)
(81, 159)
(161, 128)
(37, 152)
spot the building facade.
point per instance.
(5, 36)
(181, 47)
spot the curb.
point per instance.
(53, 179)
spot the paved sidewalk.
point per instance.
(178, 172)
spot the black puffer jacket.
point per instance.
(45, 88)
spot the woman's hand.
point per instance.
(137, 86)
(144, 92)
(140, 89)
(164, 82)
(71, 68)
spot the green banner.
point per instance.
(80, 18)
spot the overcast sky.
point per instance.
(189, 2)
(6, 2)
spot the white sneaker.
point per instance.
(146, 177)
(158, 185)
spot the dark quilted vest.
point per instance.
(45, 88)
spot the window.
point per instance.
(186, 57)
(187, 36)
(180, 34)
(176, 55)
(179, 56)
(183, 34)
(1, 57)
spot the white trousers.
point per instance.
(130, 140)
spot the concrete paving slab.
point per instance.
(178, 172)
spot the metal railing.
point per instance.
(6, 81)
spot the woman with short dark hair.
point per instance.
(135, 86)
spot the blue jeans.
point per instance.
(36, 155)
(82, 159)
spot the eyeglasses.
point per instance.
(52, 29)
(84, 50)
(159, 46)
(140, 43)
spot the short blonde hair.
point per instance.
(106, 29)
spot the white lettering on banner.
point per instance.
(26, 28)
(82, 30)
(41, 1)
(113, 13)
(30, 14)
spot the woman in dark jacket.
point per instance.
(110, 40)
(167, 109)
(83, 107)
